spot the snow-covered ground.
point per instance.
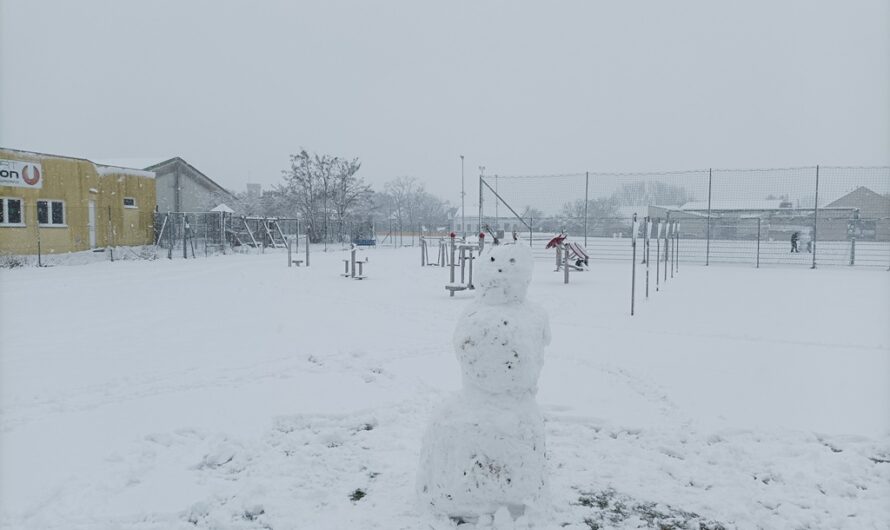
(234, 392)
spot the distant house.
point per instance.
(182, 188)
(872, 219)
(736, 219)
(507, 222)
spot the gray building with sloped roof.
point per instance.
(182, 188)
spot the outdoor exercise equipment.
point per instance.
(570, 256)
(463, 253)
(441, 260)
(350, 265)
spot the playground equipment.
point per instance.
(441, 260)
(570, 256)
(293, 249)
(462, 252)
(350, 265)
(256, 232)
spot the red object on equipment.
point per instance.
(452, 235)
(481, 235)
(556, 241)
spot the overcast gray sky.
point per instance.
(408, 86)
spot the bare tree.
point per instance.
(401, 195)
(349, 190)
(305, 183)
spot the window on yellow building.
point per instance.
(129, 202)
(51, 213)
(11, 212)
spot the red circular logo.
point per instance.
(30, 177)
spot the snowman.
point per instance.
(484, 448)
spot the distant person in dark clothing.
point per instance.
(795, 238)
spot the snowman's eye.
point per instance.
(512, 260)
(492, 258)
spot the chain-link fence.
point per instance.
(207, 233)
(804, 215)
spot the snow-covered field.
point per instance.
(234, 392)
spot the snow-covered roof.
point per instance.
(222, 208)
(104, 169)
(129, 162)
(764, 204)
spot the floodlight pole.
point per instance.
(463, 208)
(481, 176)
(708, 236)
(586, 201)
(815, 218)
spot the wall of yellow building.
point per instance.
(77, 182)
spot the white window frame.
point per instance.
(5, 206)
(49, 214)
(134, 206)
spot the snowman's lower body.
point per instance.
(482, 452)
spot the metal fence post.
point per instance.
(676, 248)
(708, 236)
(667, 224)
(758, 242)
(646, 251)
(657, 255)
(852, 251)
(531, 221)
(815, 217)
(586, 200)
(633, 266)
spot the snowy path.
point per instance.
(234, 392)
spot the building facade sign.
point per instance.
(21, 174)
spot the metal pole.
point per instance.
(352, 263)
(667, 224)
(657, 256)
(677, 244)
(481, 176)
(708, 244)
(497, 216)
(470, 272)
(530, 223)
(463, 206)
(815, 217)
(646, 251)
(184, 229)
(673, 248)
(852, 251)
(633, 266)
(565, 263)
(758, 241)
(308, 228)
(452, 265)
(586, 200)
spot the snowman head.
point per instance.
(504, 273)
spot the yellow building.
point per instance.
(66, 204)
